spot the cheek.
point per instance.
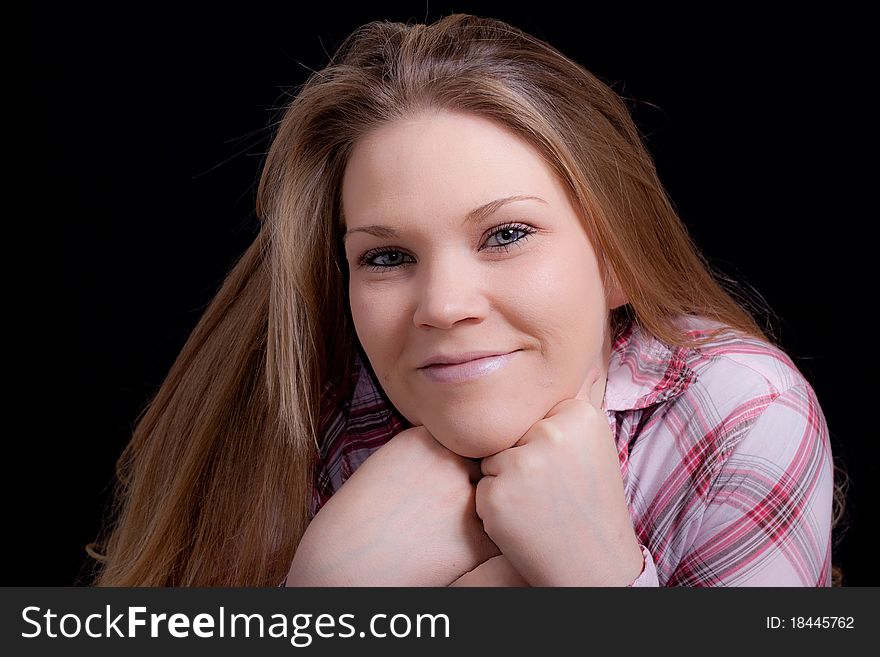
(561, 296)
(363, 317)
(376, 321)
(564, 309)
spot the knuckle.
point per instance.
(529, 465)
(588, 411)
(486, 494)
(553, 434)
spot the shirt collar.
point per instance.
(644, 370)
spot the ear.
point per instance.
(615, 294)
(613, 291)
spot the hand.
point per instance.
(554, 502)
(406, 517)
(497, 571)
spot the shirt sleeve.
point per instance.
(767, 519)
(648, 576)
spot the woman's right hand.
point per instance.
(406, 517)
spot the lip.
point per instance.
(470, 369)
(441, 359)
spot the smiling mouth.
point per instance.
(469, 370)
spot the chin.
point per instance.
(477, 438)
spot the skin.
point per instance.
(450, 292)
(549, 492)
(374, 530)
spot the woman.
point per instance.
(437, 194)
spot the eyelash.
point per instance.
(364, 260)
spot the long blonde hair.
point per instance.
(214, 487)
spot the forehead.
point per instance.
(440, 163)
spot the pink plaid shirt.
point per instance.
(724, 454)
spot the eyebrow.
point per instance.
(471, 217)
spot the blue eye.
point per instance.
(395, 257)
(506, 233)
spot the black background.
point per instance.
(150, 127)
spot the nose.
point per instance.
(449, 290)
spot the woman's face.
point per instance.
(429, 278)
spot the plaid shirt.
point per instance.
(724, 453)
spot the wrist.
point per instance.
(629, 565)
(642, 568)
(619, 565)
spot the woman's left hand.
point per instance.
(554, 502)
